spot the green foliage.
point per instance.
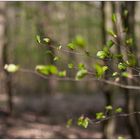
(81, 66)
(125, 74)
(38, 39)
(120, 137)
(70, 65)
(111, 32)
(84, 122)
(114, 18)
(118, 110)
(115, 74)
(47, 40)
(69, 123)
(71, 46)
(62, 73)
(109, 107)
(131, 60)
(11, 68)
(129, 41)
(102, 54)
(56, 58)
(122, 66)
(100, 115)
(81, 74)
(46, 69)
(110, 43)
(100, 70)
(79, 41)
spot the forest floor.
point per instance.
(28, 126)
(28, 121)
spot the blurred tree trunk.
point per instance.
(109, 125)
(4, 76)
(43, 25)
(129, 23)
(71, 34)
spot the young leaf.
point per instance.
(100, 70)
(81, 66)
(62, 73)
(100, 115)
(38, 39)
(46, 69)
(115, 74)
(71, 46)
(101, 54)
(112, 33)
(109, 107)
(114, 18)
(110, 43)
(56, 58)
(122, 66)
(47, 40)
(11, 68)
(81, 74)
(79, 41)
(118, 110)
(70, 66)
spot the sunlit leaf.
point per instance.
(81, 74)
(109, 107)
(114, 18)
(11, 68)
(122, 66)
(111, 32)
(47, 40)
(38, 39)
(118, 110)
(101, 54)
(100, 115)
(47, 69)
(62, 73)
(70, 66)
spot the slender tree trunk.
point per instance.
(129, 23)
(109, 125)
(4, 76)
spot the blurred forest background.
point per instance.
(40, 108)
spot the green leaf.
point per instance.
(114, 18)
(81, 66)
(125, 74)
(47, 40)
(47, 69)
(125, 13)
(110, 43)
(56, 58)
(102, 54)
(70, 66)
(109, 107)
(115, 74)
(111, 32)
(84, 122)
(100, 115)
(81, 74)
(79, 41)
(122, 66)
(69, 123)
(59, 47)
(131, 60)
(62, 73)
(71, 46)
(38, 39)
(120, 137)
(11, 68)
(118, 110)
(100, 70)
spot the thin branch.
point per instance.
(84, 80)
